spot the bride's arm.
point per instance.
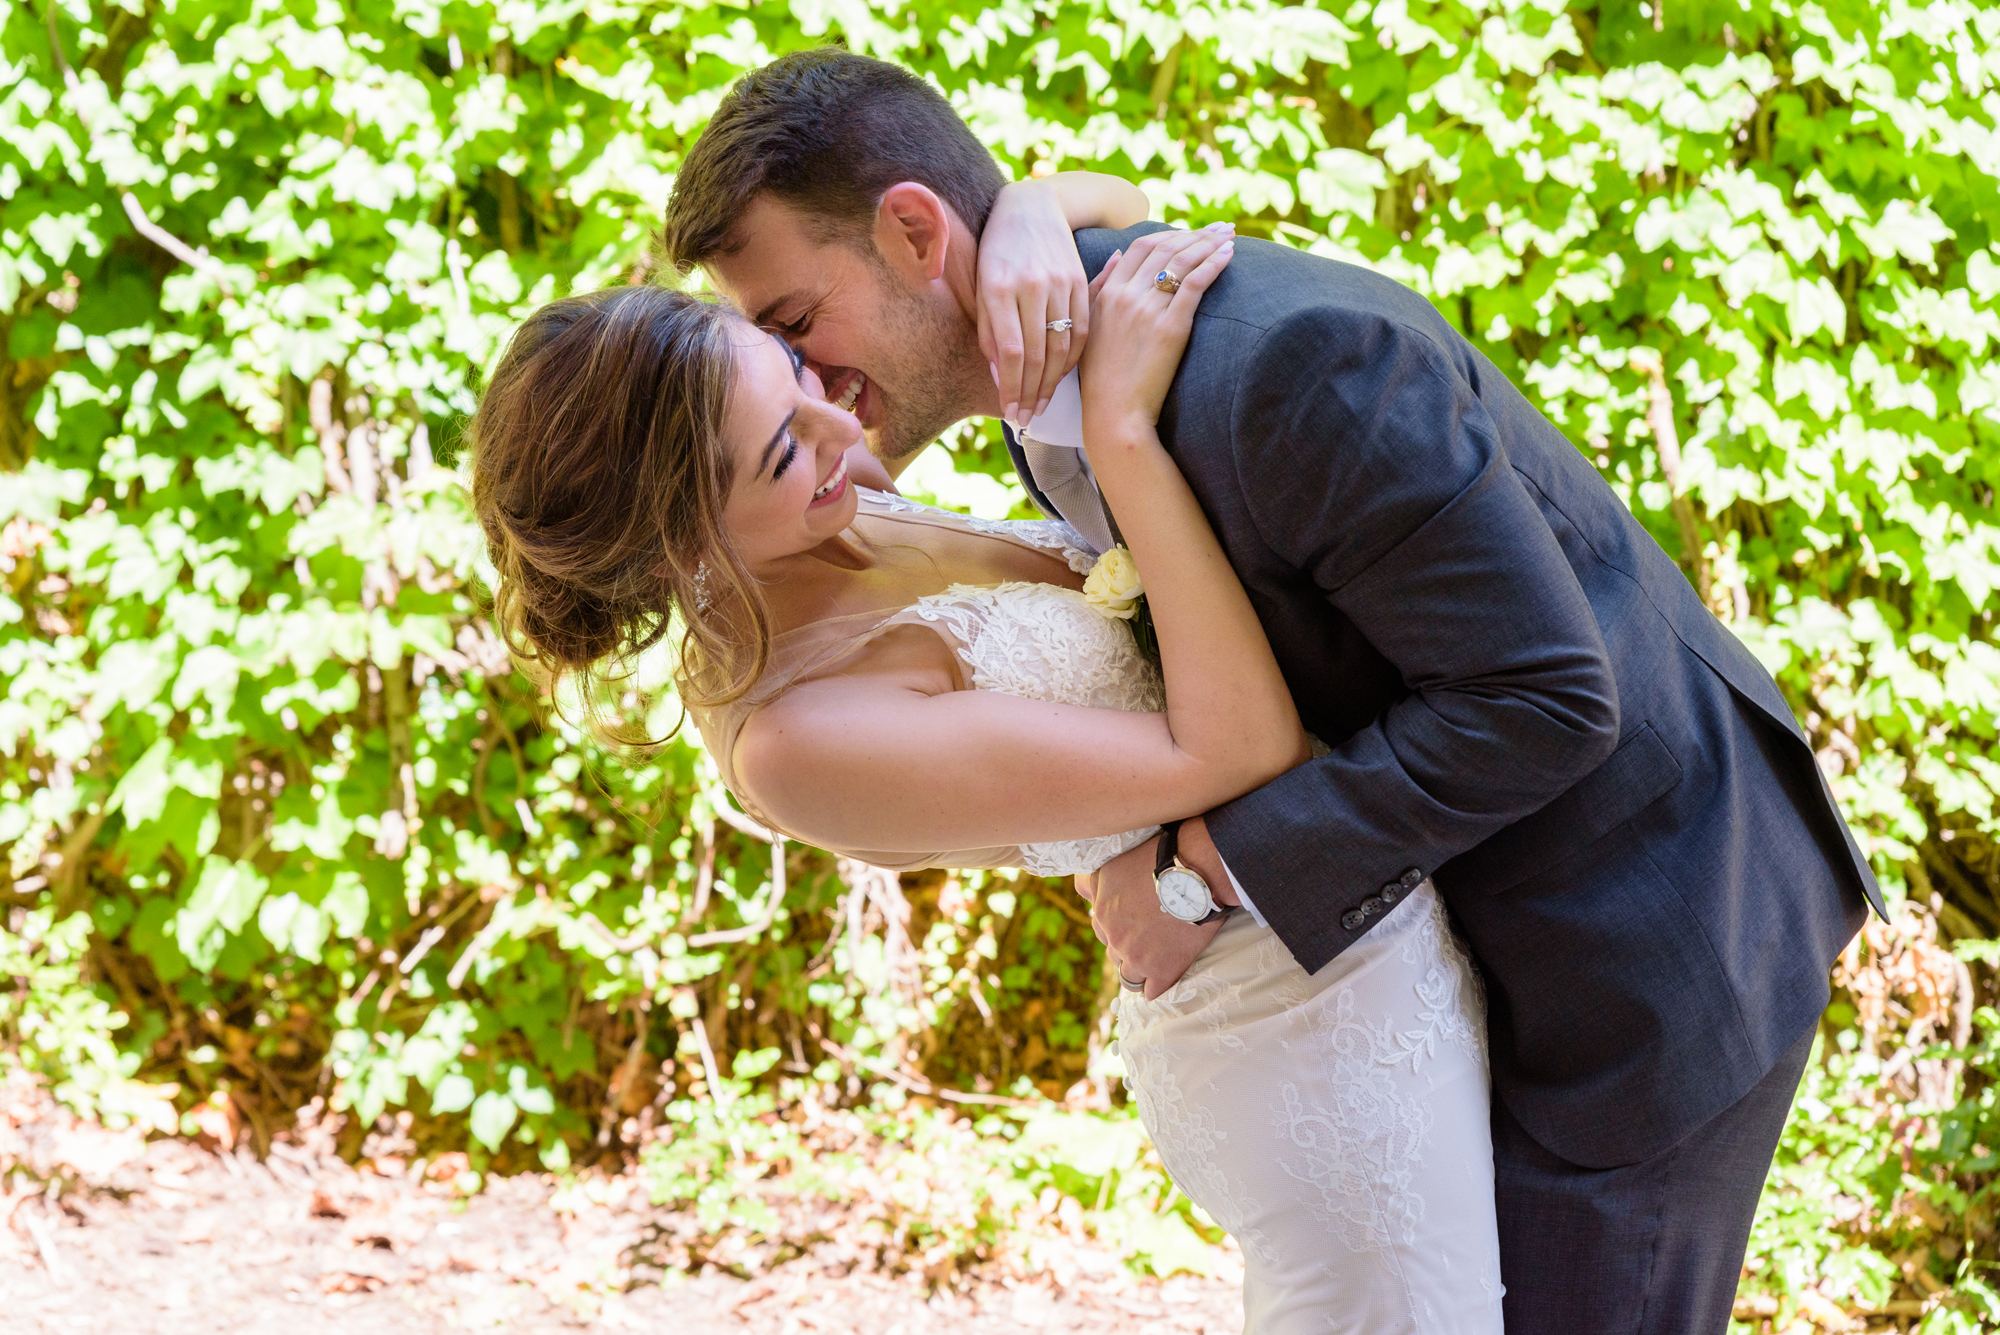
(1225, 695)
(1029, 275)
(865, 470)
(1085, 199)
(895, 758)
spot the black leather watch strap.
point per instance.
(1170, 847)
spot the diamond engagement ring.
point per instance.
(1166, 282)
(1060, 326)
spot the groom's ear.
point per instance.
(913, 232)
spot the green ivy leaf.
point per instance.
(493, 1116)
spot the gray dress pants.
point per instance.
(1651, 1248)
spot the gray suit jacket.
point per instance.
(1526, 702)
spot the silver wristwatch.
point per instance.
(1183, 893)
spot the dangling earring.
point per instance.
(703, 600)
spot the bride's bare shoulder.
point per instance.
(899, 667)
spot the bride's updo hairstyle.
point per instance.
(599, 473)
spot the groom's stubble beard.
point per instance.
(932, 353)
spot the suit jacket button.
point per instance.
(1372, 905)
(1412, 878)
(1354, 920)
(1391, 893)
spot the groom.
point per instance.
(1525, 700)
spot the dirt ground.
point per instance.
(102, 1231)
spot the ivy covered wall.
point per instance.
(280, 824)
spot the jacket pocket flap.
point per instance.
(1640, 772)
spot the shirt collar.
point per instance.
(1062, 424)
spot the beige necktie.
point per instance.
(1061, 475)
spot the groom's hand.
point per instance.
(1144, 940)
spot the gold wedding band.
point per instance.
(1131, 986)
(1166, 282)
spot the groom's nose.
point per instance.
(827, 372)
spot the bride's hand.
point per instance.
(1030, 276)
(1141, 331)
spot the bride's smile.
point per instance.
(791, 491)
(833, 489)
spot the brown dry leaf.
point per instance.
(219, 1119)
(346, 1281)
(446, 1167)
(1825, 1314)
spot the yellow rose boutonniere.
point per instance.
(1114, 588)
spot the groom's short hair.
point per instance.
(827, 132)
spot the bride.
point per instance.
(917, 688)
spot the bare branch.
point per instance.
(716, 1091)
(918, 1085)
(770, 915)
(198, 260)
(1666, 439)
(733, 817)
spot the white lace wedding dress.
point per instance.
(1335, 1124)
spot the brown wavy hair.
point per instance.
(599, 474)
(826, 131)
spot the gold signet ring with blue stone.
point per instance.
(1166, 282)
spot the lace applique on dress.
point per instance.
(1449, 996)
(1337, 1123)
(1374, 1134)
(1379, 1129)
(1190, 1140)
(1050, 535)
(1045, 642)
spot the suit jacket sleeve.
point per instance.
(1367, 462)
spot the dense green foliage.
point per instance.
(271, 795)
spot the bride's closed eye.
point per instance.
(791, 441)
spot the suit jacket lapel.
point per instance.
(1027, 475)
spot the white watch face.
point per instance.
(1184, 894)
